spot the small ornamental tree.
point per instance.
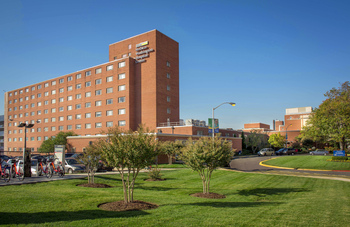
(205, 155)
(129, 152)
(48, 146)
(91, 159)
(170, 148)
(277, 140)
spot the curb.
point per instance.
(316, 170)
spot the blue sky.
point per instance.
(264, 55)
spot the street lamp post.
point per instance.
(212, 121)
(26, 158)
(287, 134)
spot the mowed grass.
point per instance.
(251, 200)
(308, 162)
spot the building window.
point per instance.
(53, 101)
(88, 94)
(27, 89)
(121, 76)
(53, 128)
(33, 97)
(98, 114)
(39, 95)
(53, 83)
(98, 125)
(168, 63)
(168, 98)
(69, 127)
(88, 125)
(53, 119)
(97, 71)
(109, 113)
(168, 110)
(77, 106)
(98, 103)
(121, 111)
(87, 104)
(32, 105)
(60, 128)
(61, 90)
(109, 90)
(61, 81)
(46, 129)
(168, 87)
(39, 112)
(69, 107)
(46, 93)
(70, 78)
(98, 92)
(121, 87)
(15, 92)
(88, 73)
(69, 98)
(109, 79)
(121, 64)
(109, 101)
(78, 76)
(69, 88)
(46, 111)
(121, 123)
(78, 116)
(39, 86)
(78, 96)
(39, 138)
(88, 84)
(53, 110)
(109, 67)
(78, 86)
(61, 99)
(69, 117)
(61, 109)
(121, 99)
(168, 75)
(61, 118)
(78, 126)
(87, 115)
(98, 81)
(109, 124)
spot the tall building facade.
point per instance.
(138, 85)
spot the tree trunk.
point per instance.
(170, 159)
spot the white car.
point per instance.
(266, 151)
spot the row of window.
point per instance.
(69, 107)
(69, 88)
(69, 98)
(69, 127)
(70, 78)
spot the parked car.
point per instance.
(266, 151)
(72, 165)
(69, 155)
(289, 151)
(4, 157)
(280, 151)
(319, 152)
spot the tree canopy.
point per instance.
(256, 140)
(277, 140)
(331, 120)
(48, 146)
(205, 155)
(170, 148)
(129, 152)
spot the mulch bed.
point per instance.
(122, 206)
(209, 196)
(94, 185)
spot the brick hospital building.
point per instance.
(138, 85)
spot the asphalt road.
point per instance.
(251, 164)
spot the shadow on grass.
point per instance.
(262, 192)
(234, 204)
(9, 218)
(107, 177)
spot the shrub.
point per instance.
(154, 173)
(339, 158)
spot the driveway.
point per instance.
(251, 164)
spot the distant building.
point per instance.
(259, 127)
(2, 123)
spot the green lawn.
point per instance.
(252, 200)
(308, 162)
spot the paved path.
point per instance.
(251, 164)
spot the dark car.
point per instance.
(289, 151)
(68, 155)
(280, 151)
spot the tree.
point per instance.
(256, 140)
(205, 155)
(331, 120)
(129, 152)
(277, 140)
(170, 148)
(91, 159)
(48, 146)
(244, 145)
